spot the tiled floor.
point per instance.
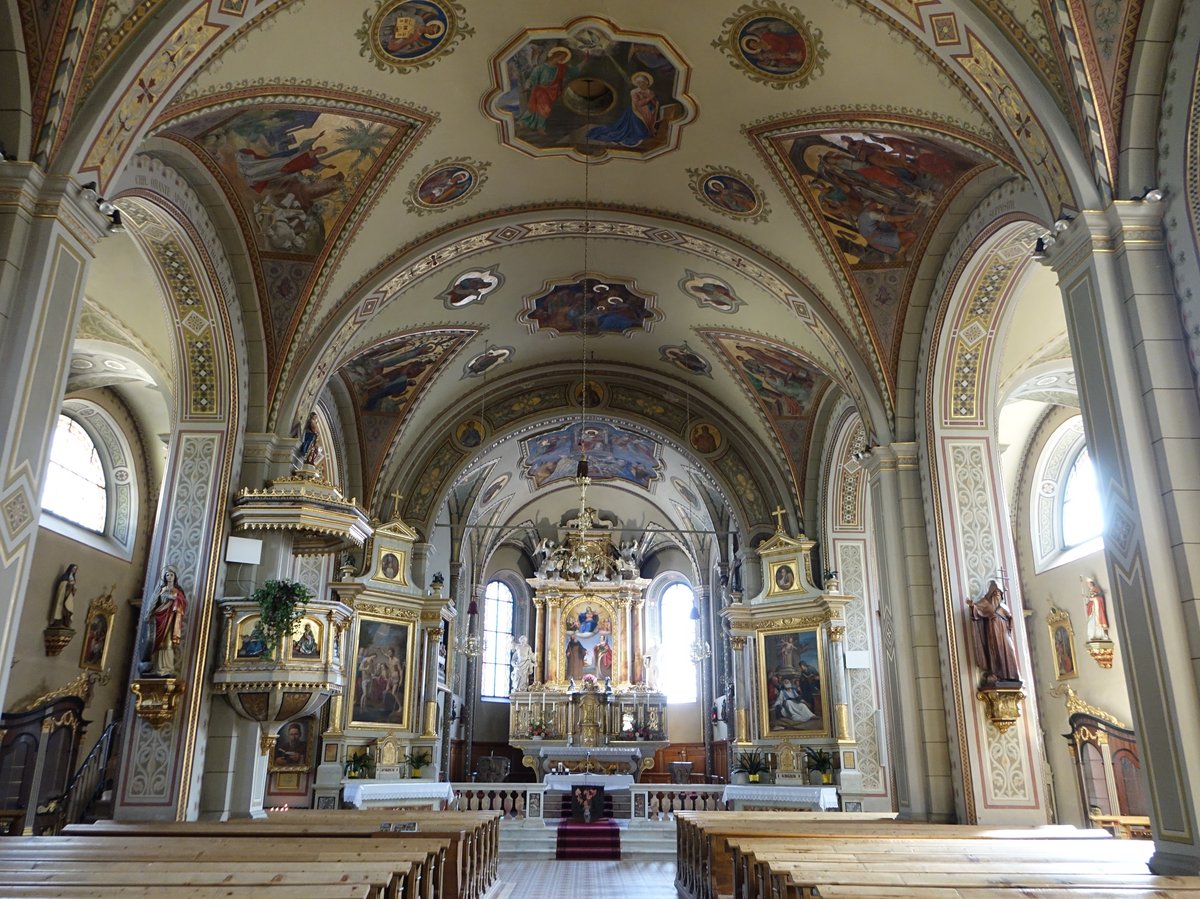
(585, 880)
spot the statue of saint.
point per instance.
(1097, 610)
(995, 651)
(64, 598)
(522, 664)
(167, 615)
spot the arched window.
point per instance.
(1067, 520)
(1082, 517)
(90, 493)
(497, 630)
(676, 670)
(75, 480)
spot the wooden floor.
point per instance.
(585, 880)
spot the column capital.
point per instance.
(1124, 224)
(24, 186)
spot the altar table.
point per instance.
(742, 796)
(567, 782)
(391, 794)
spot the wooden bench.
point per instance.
(418, 863)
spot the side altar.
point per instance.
(581, 697)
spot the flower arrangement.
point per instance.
(539, 729)
(645, 732)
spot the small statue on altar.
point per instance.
(522, 664)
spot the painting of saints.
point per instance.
(639, 120)
(783, 383)
(587, 621)
(445, 185)
(575, 656)
(542, 88)
(1064, 655)
(784, 577)
(306, 647)
(94, 643)
(412, 29)
(711, 292)
(731, 194)
(705, 438)
(773, 45)
(792, 689)
(380, 694)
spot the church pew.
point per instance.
(158, 891)
(425, 858)
(471, 855)
(705, 866)
(834, 891)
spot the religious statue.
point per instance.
(522, 664)
(995, 651)
(167, 614)
(309, 452)
(64, 598)
(1097, 611)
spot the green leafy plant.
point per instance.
(281, 605)
(418, 758)
(752, 762)
(360, 764)
(818, 759)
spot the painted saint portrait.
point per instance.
(588, 393)
(380, 691)
(1062, 644)
(477, 366)
(792, 685)
(445, 185)
(590, 90)
(785, 578)
(387, 379)
(492, 490)
(686, 492)
(710, 292)
(306, 644)
(294, 746)
(412, 29)
(588, 640)
(773, 45)
(705, 437)
(471, 287)
(469, 433)
(613, 453)
(601, 306)
(731, 194)
(389, 566)
(684, 357)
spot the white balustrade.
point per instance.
(516, 801)
(660, 801)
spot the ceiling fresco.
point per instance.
(386, 382)
(446, 183)
(876, 195)
(786, 385)
(710, 292)
(296, 174)
(613, 453)
(590, 90)
(773, 44)
(604, 305)
(402, 35)
(730, 193)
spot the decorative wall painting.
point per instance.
(305, 643)
(773, 44)
(492, 490)
(445, 183)
(601, 306)
(478, 366)
(382, 674)
(793, 693)
(729, 192)
(294, 746)
(705, 437)
(97, 632)
(613, 453)
(684, 357)
(388, 378)
(1062, 644)
(710, 292)
(470, 433)
(407, 34)
(471, 287)
(590, 89)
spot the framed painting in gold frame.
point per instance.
(294, 746)
(381, 679)
(390, 566)
(793, 691)
(1062, 644)
(783, 577)
(97, 633)
(589, 642)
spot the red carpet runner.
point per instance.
(598, 841)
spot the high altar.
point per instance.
(586, 703)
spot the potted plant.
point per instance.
(753, 764)
(820, 761)
(418, 759)
(281, 605)
(360, 764)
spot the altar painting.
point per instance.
(382, 673)
(793, 693)
(588, 642)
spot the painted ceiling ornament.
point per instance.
(773, 44)
(589, 89)
(446, 183)
(404, 35)
(471, 287)
(613, 453)
(730, 193)
(611, 306)
(684, 357)
(710, 292)
(480, 365)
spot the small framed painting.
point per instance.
(97, 633)
(1062, 644)
(783, 577)
(391, 566)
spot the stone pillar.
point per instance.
(47, 231)
(915, 701)
(1140, 413)
(741, 721)
(471, 686)
(837, 682)
(704, 670)
(539, 631)
(433, 642)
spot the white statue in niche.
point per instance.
(522, 664)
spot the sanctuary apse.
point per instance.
(850, 310)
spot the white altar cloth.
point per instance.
(610, 782)
(367, 793)
(824, 798)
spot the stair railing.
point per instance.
(88, 784)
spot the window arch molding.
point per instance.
(1057, 459)
(121, 491)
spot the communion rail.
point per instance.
(649, 802)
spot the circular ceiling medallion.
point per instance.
(729, 192)
(705, 438)
(446, 183)
(470, 433)
(773, 44)
(409, 34)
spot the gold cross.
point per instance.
(396, 497)
(779, 513)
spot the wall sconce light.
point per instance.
(88, 191)
(1151, 195)
(117, 226)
